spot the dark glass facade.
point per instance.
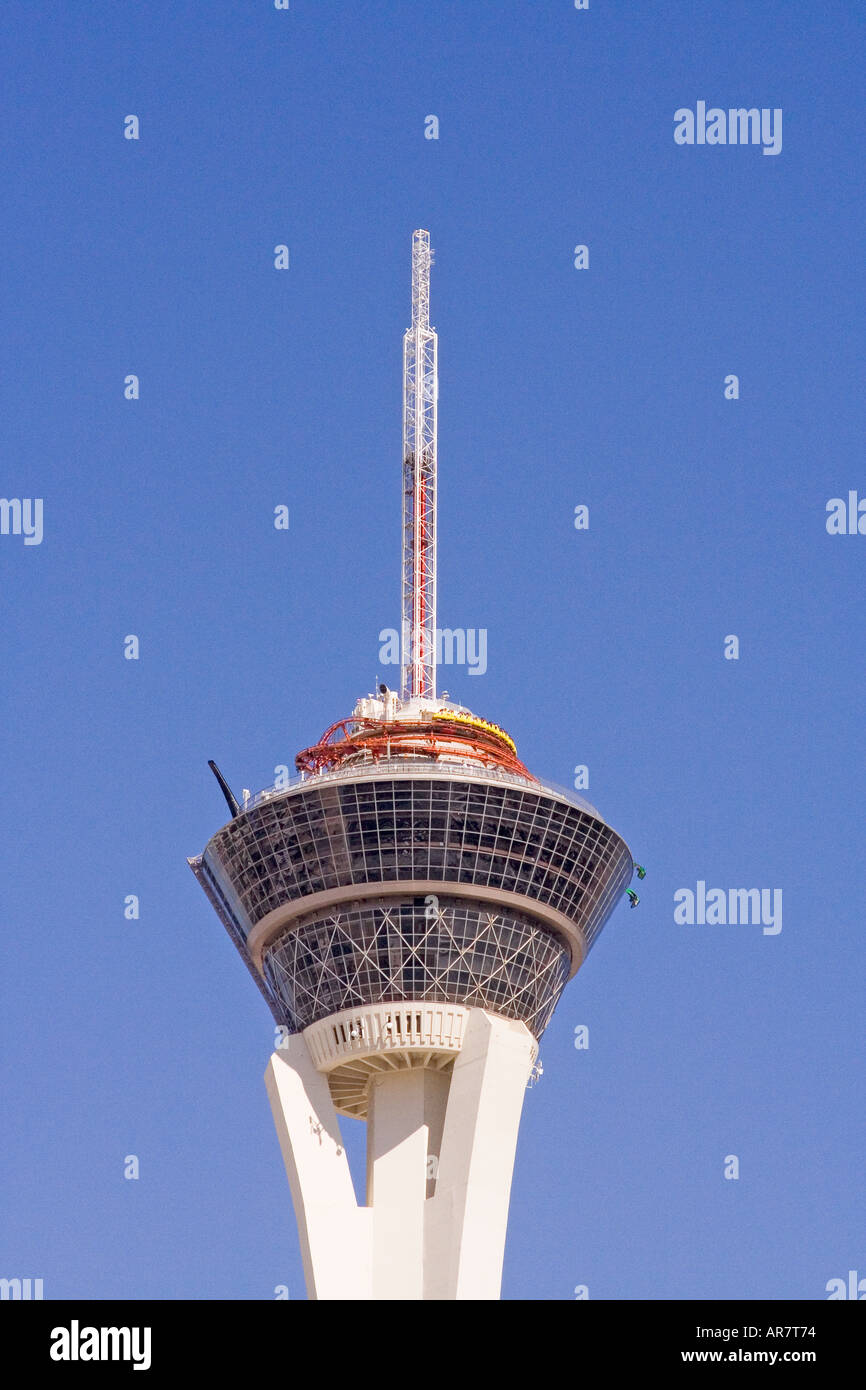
(334, 834)
(493, 834)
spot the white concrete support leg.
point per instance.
(335, 1233)
(467, 1217)
(405, 1115)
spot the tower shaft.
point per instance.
(420, 391)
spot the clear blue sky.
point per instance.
(605, 647)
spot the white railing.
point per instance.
(416, 768)
(398, 1026)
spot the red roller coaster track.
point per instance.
(398, 739)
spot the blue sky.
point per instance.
(558, 387)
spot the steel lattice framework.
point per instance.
(402, 949)
(420, 391)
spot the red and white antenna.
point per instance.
(420, 391)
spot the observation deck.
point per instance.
(431, 876)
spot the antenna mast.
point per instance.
(420, 391)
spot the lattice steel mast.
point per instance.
(420, 391)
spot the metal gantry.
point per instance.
(420, 391)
